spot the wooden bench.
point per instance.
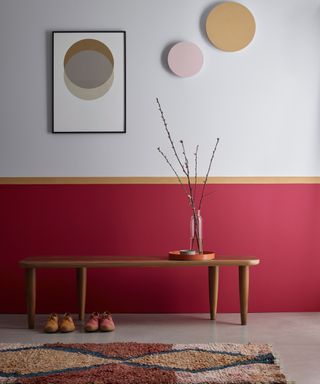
(81, 264)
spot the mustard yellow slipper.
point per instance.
(67, 324)
(52, 324)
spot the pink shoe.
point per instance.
(106, 322)
(92, 325)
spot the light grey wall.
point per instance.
(263, 102)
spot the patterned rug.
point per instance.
(136, 363)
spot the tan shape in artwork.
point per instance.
(88, 94)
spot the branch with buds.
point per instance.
(189, 189)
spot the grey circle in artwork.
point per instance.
(88, 69)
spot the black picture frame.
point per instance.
(121, 36)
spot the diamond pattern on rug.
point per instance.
(109, 374)
(45, 360)
(118, 350)
(139, 363)
(193, 360)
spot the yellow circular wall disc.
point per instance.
(230, 26)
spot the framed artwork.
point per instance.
(89, 81)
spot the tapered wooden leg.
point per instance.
(213, 290)
(31, 295)
(82, 290)
(244, 292)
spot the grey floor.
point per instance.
(294, 336)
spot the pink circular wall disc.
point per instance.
(185, 59)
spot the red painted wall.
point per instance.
(280, 224)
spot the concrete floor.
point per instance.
(294, 336)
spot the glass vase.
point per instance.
(196, 240)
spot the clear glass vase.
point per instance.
(196, 240)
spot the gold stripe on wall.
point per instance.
(161, 180)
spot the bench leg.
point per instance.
(244, 292)
(213, 290)
(31, 296)
(81, 289)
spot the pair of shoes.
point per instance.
(101, 322)
(65, 325)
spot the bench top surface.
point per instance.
(129, 261)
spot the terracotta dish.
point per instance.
(176, 255)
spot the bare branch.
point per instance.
(186, 161)
(191, 189)
(175, 172)
(195, 173)
(192, 200)
(169, 136)
(208, 171)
